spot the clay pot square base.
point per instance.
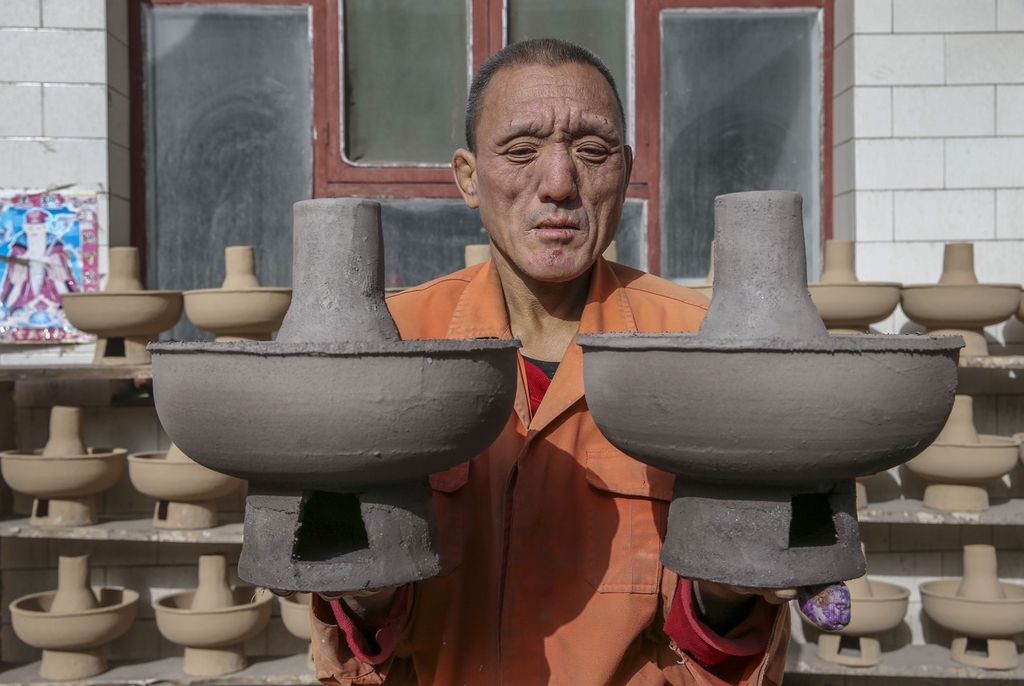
(956, 497)
(214, 661)
(198, 514)
(122, 351)
(69, 665)
(852, 651)
(328, 542)
(993, 653)
(763, 538)
(64, 511)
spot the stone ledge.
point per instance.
(1008, 513)
(284, 671)
(124, 530)
(908, 662)
(74, 372)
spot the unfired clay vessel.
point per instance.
(73, 624)
(983, 613)
(186, 492)
(123, 311)
(241, 309)
(295, 616)
(748, 411)
(959, 464)
(213, 621)
(875, 607)
(845, 304)
(958, 304)
(65, 476)
(337, 423)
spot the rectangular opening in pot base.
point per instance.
(330, 527)
(779, 537)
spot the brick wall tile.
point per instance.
(874, 216)
(1010, 214)
(999, 261)
(943, 111)
(984, 162)
(22, 107)
(875, 538)
(872, 112)
(985, 58)
(103, 554)
(1010, 110)
(918, 262)
(74, 14)
(20, 13)
(872, 16)
(140, 644)
(24, 553)
(188, 553)
(51, 163)
(894, 60)
(899, 163)
(74, 111)
(57, 56)
(945, 215)
(1010, 15)
(13, 650)
(21, 582)
(916, 537)
(943, 16)
(152, 582)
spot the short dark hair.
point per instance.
(550, 52)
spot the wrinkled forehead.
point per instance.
(571, 91)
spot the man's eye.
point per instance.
(520, 153)
(593, 153)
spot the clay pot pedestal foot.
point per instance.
(987, 653)
(334, 542)
(774, 535)
(852, 651)
(295, 617)
(765, 418)
(64, 511)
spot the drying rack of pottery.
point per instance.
(184, 496)
(964, 479)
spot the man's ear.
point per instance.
(464, 168)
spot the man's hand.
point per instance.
(723, 606)
(370, 607)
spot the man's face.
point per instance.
(550, 169)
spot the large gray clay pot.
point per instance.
(763, 416)
(337, 423)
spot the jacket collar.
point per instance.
(481, 313)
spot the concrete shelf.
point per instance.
(283, 671)
(911, 661)
(992, 362)
(124, 530)
(1008, 513)
(77, 372)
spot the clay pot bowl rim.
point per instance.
(37, 455)
(425, 347)
(950, 286)
(883, 592)
(123, 295)
(694, 342)
(856, 284)
(235, 291)
(945, 589)
(985, 442)
(128, 598)
(260, 598)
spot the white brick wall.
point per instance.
(64, 97)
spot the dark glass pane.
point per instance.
(406, 74)
(229, 126)
(741, 110)
(596, 24)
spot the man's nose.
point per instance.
(558, 177)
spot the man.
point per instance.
(550, 539)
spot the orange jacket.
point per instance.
(550, 539)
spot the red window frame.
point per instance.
(333, 176)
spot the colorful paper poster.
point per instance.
(48, 247)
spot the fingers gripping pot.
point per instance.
(764, 417)
(337, 423)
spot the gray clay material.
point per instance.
(333, 414)
(763, 416)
